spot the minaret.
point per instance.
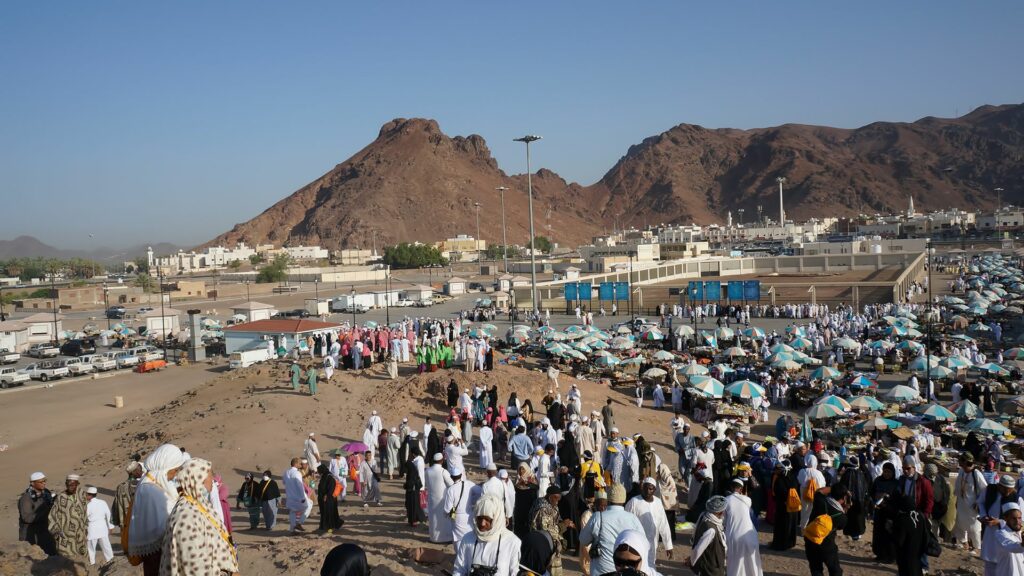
(728, 219)
(910, 208)
(149, 256)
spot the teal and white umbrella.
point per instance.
(694, 370)
(621, 343)
(788, 365)
(955, 363)
(835, 401)
(823, 411)
(866, 403)
(734, 352)
(877, 424)
(901, 393)
(993, 369)
(664, 355)
(724, 333)
(801, 343)
(780, 347)
(920, 363)
(883, 345)
(935, 412)
(795, 331)
(826, 373)
(986, 426)
(909, 346)
(940, 373)
(1011, 354)
(655, 373)
(683, 330)
(709, 339)
(862, 381)
(709, 387)
(556, 348)
(724, 368)
(753, 332)
(607, 361)
(634, 361)
(846, 343)
(745, 389)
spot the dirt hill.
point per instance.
(415, 183)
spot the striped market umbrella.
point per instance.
(940, 372)
(694, 370)
(822, 411)
(954, 363)
(935, 412)
(664, 355)
(801, 343)
(724, 333)
(753, 332)
(652, 335)
(986, 426)
(900, 392)
(909, 346)
(993, 369)
(1011, 354)
(745, 389)
(655, 373)
(826, 373)
(835, 401)
(795, 331)
(780, 347)
(788, 365)
(683, 330)
(863, 382)
(920, 363)
(877, 424)
(621, 343)
(846, 343)
(735, 352)
(709, 387)
(607, 361)
(866, 403)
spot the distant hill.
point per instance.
(415, 183)
(31, 247)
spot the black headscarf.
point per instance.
(345, 560)
(536, 551)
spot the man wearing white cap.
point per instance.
(295, 496)
(33, 514)
(651, 513)
(1009, 553)
(991, 503)
(68, 522)
(375, 424)
(510, 494)
(454, 451)
(486, 446)
(456, 505)
(125, 493)
(438, 480)
(743, 557)
(98, 515)
(312, 452)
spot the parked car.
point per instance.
(147, 353)
(356, 309)
(99, 362)
(45, 371)
(145, 309)
(43, 350)
(297, 313)
(12, 377)
(78, 347)
(126, 359)
(246, 358)
(75, 366)
(116, 312)
(424, 303)
(403, 303)
(8, 357)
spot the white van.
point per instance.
(246, 358)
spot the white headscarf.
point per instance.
(494, 508)
(639, 543)
(154, 500)
(810, 461)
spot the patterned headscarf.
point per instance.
(192, 477)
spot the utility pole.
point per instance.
(478, 255)
(533, 243)
(782, 212)
(504, 238)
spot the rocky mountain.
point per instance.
(415, 183)
(32, 247)
(692, 174)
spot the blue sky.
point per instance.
(146, 121)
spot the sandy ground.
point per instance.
(251, 420)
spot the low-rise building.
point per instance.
(161, 322)
(354, 257)
(281, 333)
(461, 248)
(14, 336)
(185, 289)
(253, 311)
(418, 292)
(455, 286)
(43, 327)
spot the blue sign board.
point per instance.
(622, 290)
(695, 291)
(586, 291)
(752, 290)
(571, 291)
(713, 290)
(735, 290)
(606, 291)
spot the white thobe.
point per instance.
(544, 474)
(510, 497)
(294, 491)
(486, 447)
(1009, 554)
(456, 497)
(968, 527)
(98, 515)
(375, 424)
(371, 442)
(438, 521)
(312, 453)
(743, 557)
(989, 541)
(502, 553)
(652, 517)
(585, 440)
(454, 455)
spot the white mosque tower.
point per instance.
(910, 208)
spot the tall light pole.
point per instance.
(106, 303)
(53, 303)
(504, 238)
(782, 212)
(533, 247)
(999, 199)
(741, 216)
(931, 318)
(477, 206)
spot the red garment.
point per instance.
(924, 496)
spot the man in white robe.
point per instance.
(651, 513)
(970, 483)
(338, 466)
(295, 494)
(1009, 554)
(454, 452)
(486, 447)
(585, 438)
(371, 442)
(490, 543)
(438, 522)
(312, 452)
(375, 424)
(510, 493)
(544, 470)
(456, 505)
(743, 557)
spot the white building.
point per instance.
(14, 336)
(455, 286)
(307, 252)
(807, 232)
(212, 258)
(253, 311)
(42, 327)
(159, 323)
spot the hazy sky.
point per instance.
(171, 121)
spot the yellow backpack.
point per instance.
(793, 501)
(818, 529)
(812, 487)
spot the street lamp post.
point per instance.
(504, 238)
(533, 247)
(782, 212)
(999, 201)
(741, 216)
(247, 297)
(352, 305)
(163, 315)
(477, 206)
(106, 303)
(53, 302)
(387, 294)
